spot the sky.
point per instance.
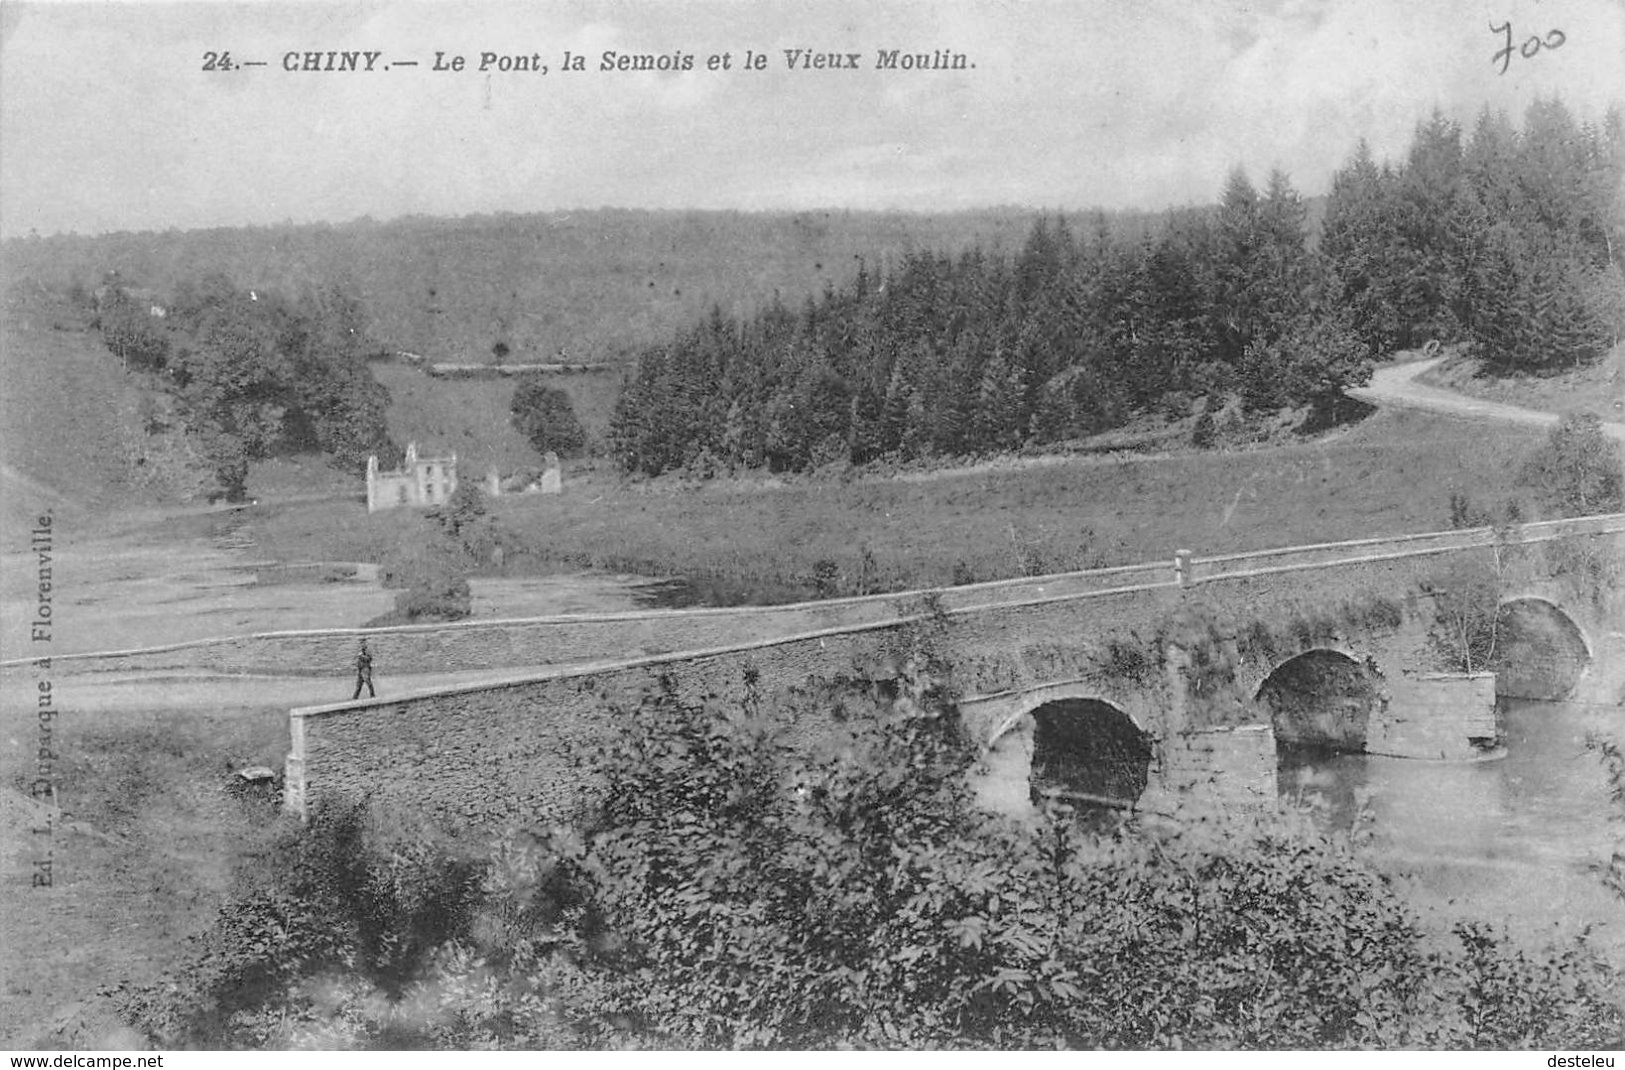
(108, 120)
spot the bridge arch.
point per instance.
(1541, 652)
(1321, 700)
(1071, 745)
(1029, 700)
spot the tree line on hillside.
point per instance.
(1508, 241)
(256, 374)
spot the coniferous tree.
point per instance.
(1504, 239)
(1430, 251)
(1360, 241)
(1235, 267)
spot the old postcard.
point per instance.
(615, 525)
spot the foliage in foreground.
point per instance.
(736, 891)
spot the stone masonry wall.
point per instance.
(1224, 769)
(483, 757)
(479, 757)
(1436, 716)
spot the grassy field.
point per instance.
(763, 539)
(148, 862)
(1390, 475)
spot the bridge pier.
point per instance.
(1338, 699)
(1191, 772)
(1438, 716)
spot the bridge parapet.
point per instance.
(1360, 551)
(591, 638)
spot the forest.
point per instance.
(1506, 240)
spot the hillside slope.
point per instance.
(73, 438)
(69, 416)
(468, 416)
(591, 284)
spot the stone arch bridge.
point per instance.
(1162, 686)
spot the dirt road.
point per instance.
(1396, 384)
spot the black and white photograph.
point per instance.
(704, 525)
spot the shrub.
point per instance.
(826, 578)
(344, 895)
(740, 893)
(1465, 513)
(1127, 659)
(433, 574)
(1466, 607)
(736, 890)
(1579, 471)
(1203, 432)
(464, 523)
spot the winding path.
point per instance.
(1395, 384)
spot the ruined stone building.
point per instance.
(548, 480)
(419, 481)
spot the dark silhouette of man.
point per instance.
(363, 672)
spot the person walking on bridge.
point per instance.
(363, 672)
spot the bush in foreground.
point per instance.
(737, 891)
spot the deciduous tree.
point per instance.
(545, 415)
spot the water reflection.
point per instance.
(1544, 801)
(1516, 835)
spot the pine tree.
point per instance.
(1360, 239)
(1430, 253)
(1284, 271)
(1235, 266)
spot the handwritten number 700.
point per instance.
(1528, 50)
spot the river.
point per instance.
(1509, 839)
